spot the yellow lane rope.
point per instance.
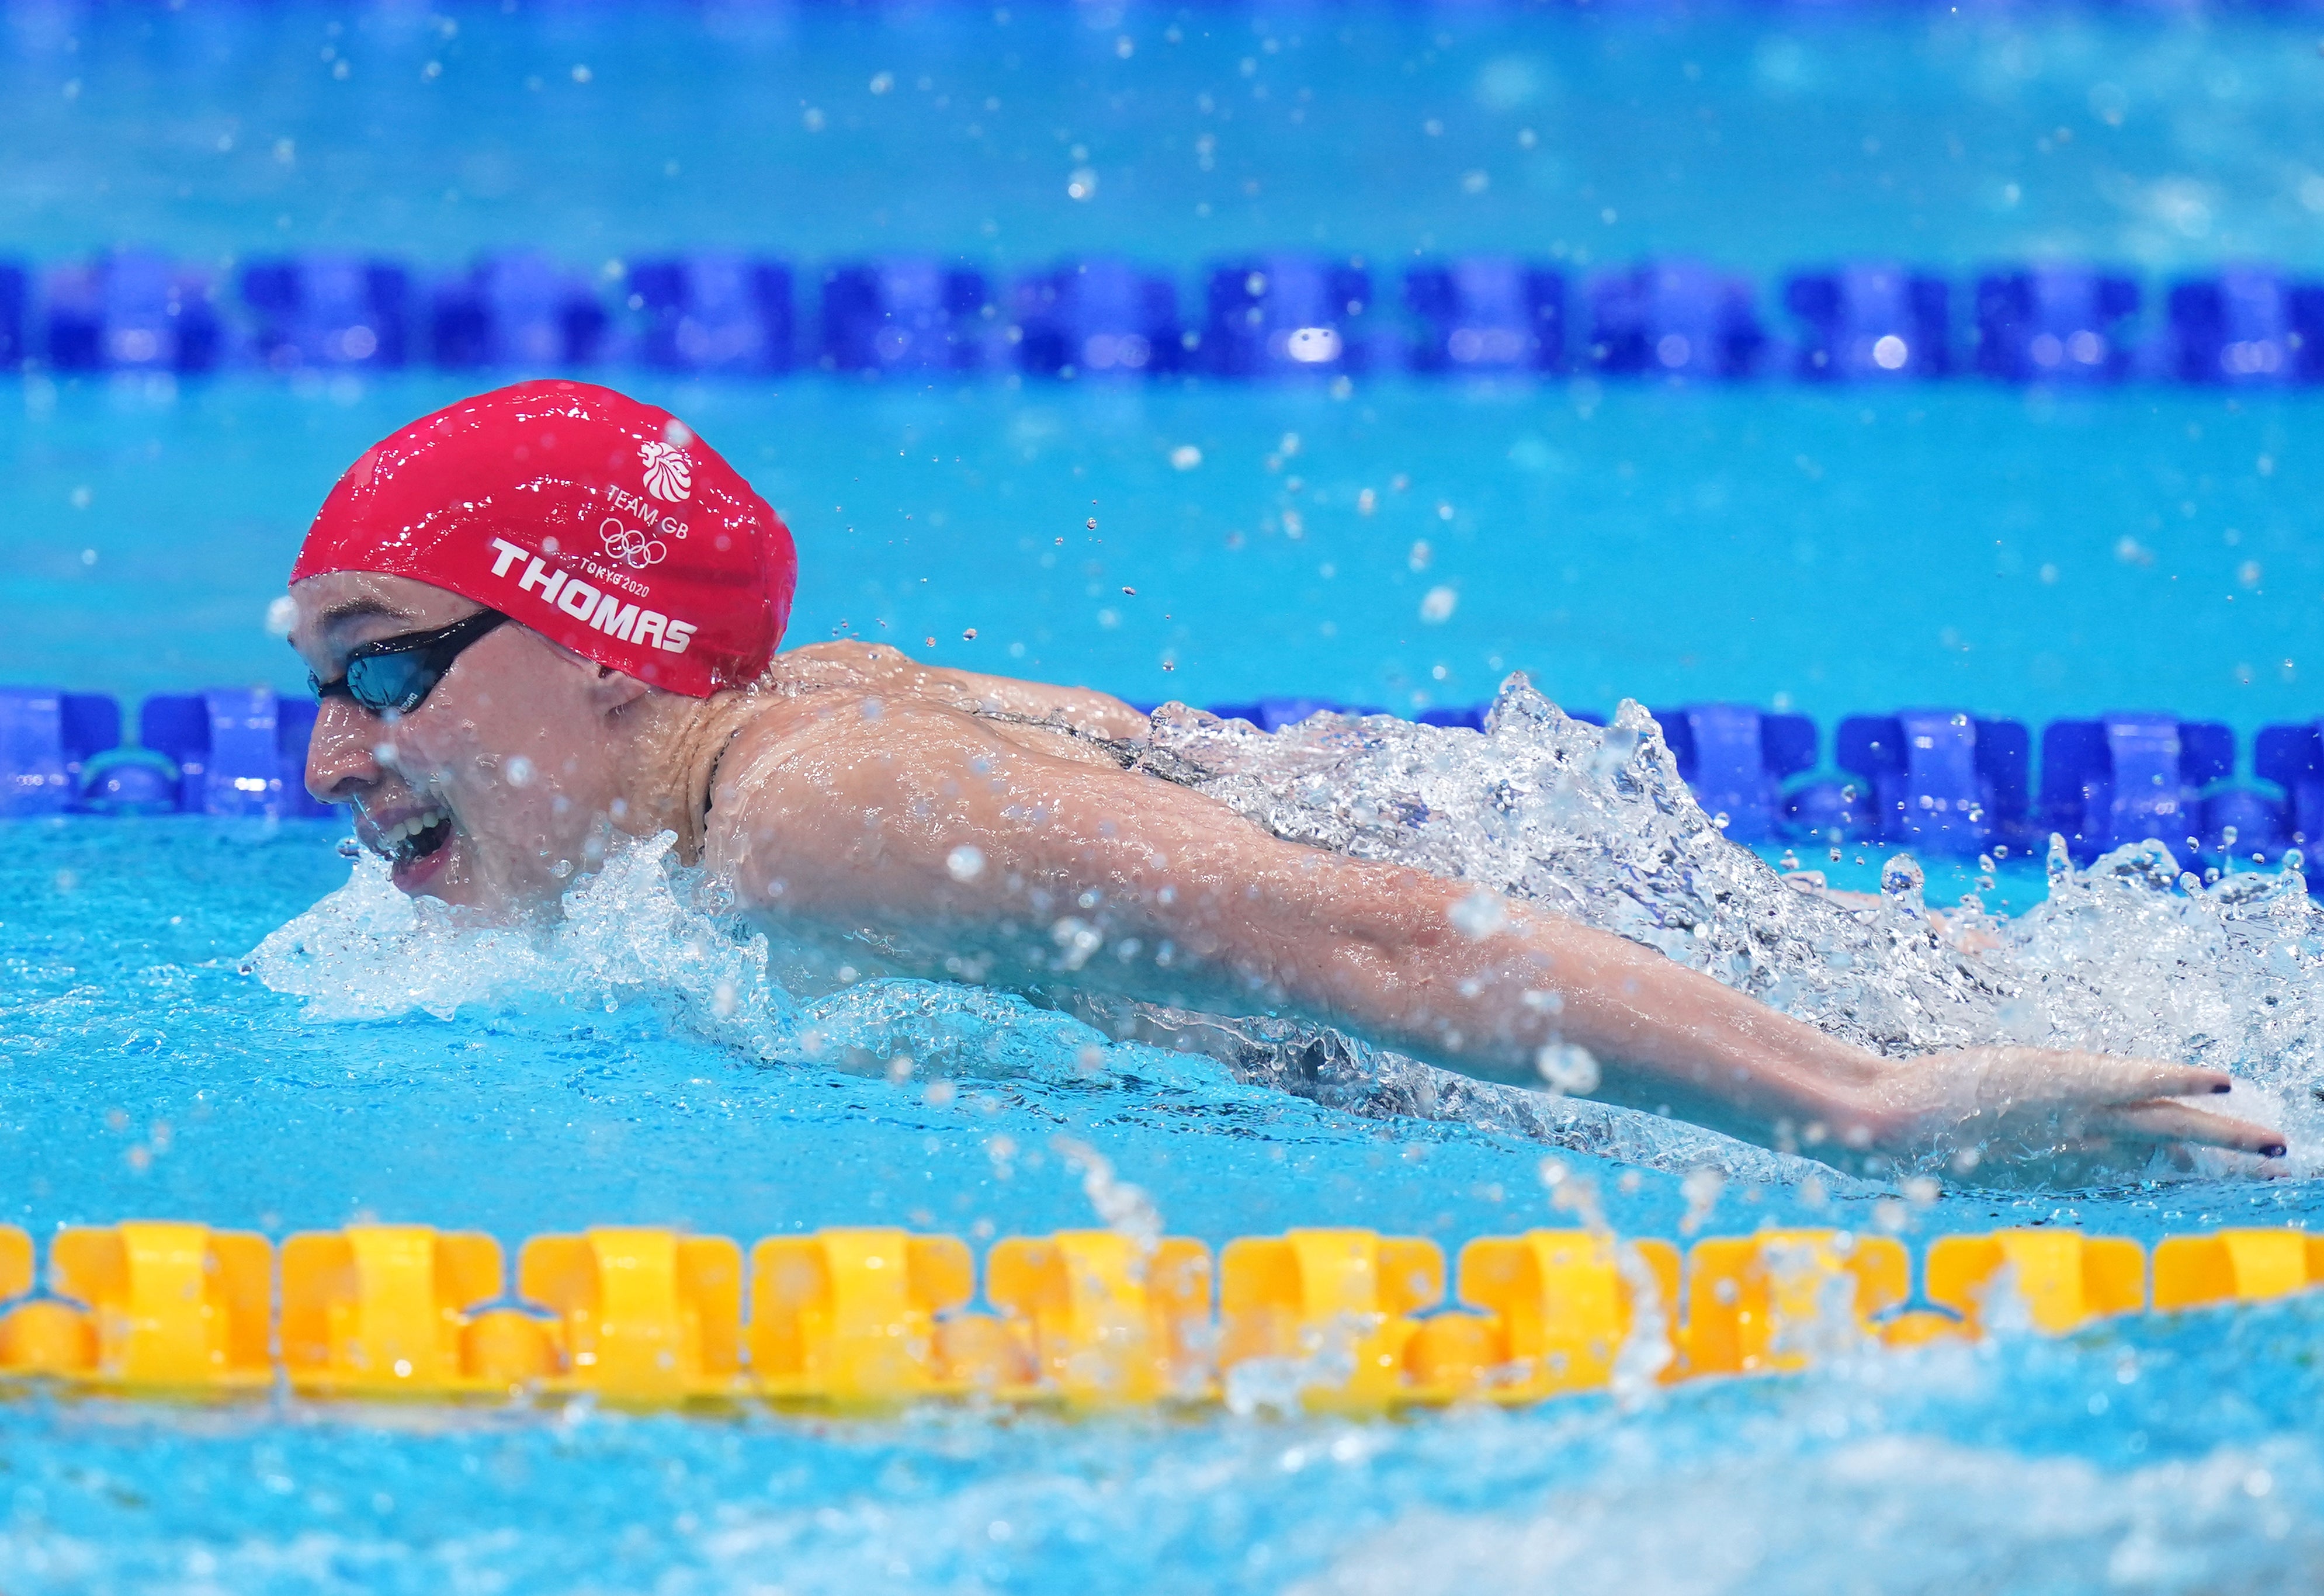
(1342, 1320)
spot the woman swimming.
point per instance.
(549, 615)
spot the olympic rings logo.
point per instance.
(630, 545)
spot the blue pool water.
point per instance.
(1763, 138)
(146, 1073)
(1831, 550)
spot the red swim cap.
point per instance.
(599, 523)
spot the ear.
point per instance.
(613, 690)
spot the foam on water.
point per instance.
(644, 933)
(2131, 957)
(1976, 1519)
(635, 930)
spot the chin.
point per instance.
(438, 872)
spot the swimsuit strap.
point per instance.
(710, 786)
(692, 760)
(1124, 752)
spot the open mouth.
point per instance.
(415, 839)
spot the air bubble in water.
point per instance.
(1701, 1190)
(1567, 1069)
(1902, 878)
(1076, 940)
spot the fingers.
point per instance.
(2065, 1109)
(2164, 1120)
(2180, 1080)
(2155, 1078)
(2079, 1072)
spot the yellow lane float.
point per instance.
(1338, 1320)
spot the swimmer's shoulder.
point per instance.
(821, 699)
(845, 663)
(826, 712)
(877, 669)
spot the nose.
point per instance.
(343, 754)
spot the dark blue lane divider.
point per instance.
(1283, 316)
(1936, 780)
(231, 751)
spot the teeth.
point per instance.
(397, 835)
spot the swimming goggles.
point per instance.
(395, 675)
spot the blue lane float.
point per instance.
(1735, 759)
(1938, 782)
(131, 311)
(1936, 779)
(1267, 316)
(1875, 321)
(229, 750)
(2054, 325)
(721, 313)
(238, 750)
(328, 312)
(1098, 317)
(1674, 319)
(47, 740)
(14, 302)
(2248, 326)
(2291, 759)
(517, 310)
(1289, 316)
(2121, 777)
(1492, 313)
(906, 316)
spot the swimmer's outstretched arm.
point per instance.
(933, 836)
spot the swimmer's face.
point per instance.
(495, 791)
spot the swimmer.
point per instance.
(548, 616)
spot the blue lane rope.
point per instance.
(1941, 781)
(1283, 315)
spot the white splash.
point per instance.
(1126, 1209)
(2131, 956)
(642, 932)
(635, 931)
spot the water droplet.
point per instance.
(1567, 1067)
(1479, 914)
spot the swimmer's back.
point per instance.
(881, 672)
(824, 712)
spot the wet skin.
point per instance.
(841, 809)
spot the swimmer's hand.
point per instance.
(2021, 1113)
